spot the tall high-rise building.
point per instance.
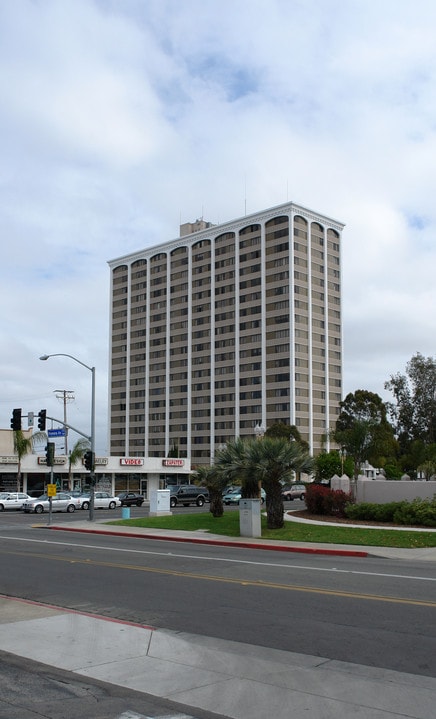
(225, 331)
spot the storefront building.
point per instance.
(113, 474)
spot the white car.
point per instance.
(102, 500)
(61, 502)
(13, 500)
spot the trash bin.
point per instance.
(125, 513)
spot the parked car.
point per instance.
(234, 496)
(294, 491)
(228, 489)
(61, 502)
(102, 500)
(12, 500)
(187, 494)
(128, 499)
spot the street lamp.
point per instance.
(342, 454)
(259, 430)
(92, 435)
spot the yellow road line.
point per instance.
(226, 580)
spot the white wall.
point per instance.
(381, 491)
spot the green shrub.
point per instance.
(372, 512)
(392, 471)
(418, 512)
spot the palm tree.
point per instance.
(215, 482)
(272, 461)
(24, 445)
(232, 462)
(267, 461)
(75, 454)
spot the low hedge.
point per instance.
(373, 512)
(421, 512)
(336, 503)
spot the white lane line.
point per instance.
(222, 559)
(135, 715)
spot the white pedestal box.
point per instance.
(249, 518)
(159, 502)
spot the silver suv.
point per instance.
(188, 494)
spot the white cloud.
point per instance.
(121, 118)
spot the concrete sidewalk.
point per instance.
(234, 680)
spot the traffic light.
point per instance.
(16, 420)
(50, 453)
(41, 419)
(88, 459)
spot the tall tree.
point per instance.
(362, 428)
(329, 463)
(413, 411)
(287, 431)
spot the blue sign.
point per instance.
(56, 433)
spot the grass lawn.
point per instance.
(228, 525)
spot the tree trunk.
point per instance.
(216, 502)
(274, 506)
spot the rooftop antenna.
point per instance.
(245, 195)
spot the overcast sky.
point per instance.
(122, 118)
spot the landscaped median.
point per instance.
(228, 525)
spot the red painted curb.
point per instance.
(67, 610)
(220, 542)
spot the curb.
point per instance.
(219, 542)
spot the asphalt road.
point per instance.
(370, 611)
(29, 690)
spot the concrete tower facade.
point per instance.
(225, 331)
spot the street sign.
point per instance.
(56, 433)
(51, 490)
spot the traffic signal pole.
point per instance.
(92, 437)
(91, 466)
(50, 499)
(70, 426)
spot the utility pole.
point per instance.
(66, 395)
